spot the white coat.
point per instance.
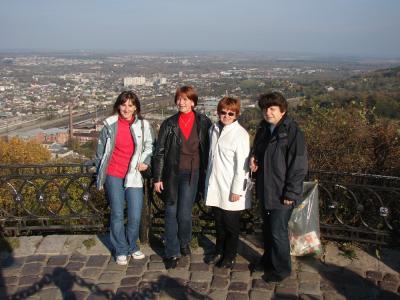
(228, 169)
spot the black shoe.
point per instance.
(226, 264)
(273, 278)
(171, 262)
(185, 250)
(215, 259)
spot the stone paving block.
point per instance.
(52, 293)
(374, 275)
(149, 288)
(196, 267)
(31, 269)
(240, 276)
(107, 286)
(102, 246)
(28, 280)
(97, 261)
(12, 280)
(310, 297)
(92, 273)
(51, 245)
(307, 276)
(36, 258)
(196, 258)
(240, 267)
(261, 295)
(391, 277)
(312, 288)
(110, 277)
(74, 266)
(201, 276)
(260, 284)
(156, 266)
(130, 281)
(237, 296)
(183, 263)
(217, 294)
(289, 292)
(76, 256)
(58, 260)
(288, 282)
(172, 294)
(152, 276)
(389, 286)
(219, 283)
(238, 287)
(199, 287)
(135, 271)
(12, 263)
(112, 266)
(221, 272)
(156, 257)
(333, 296)
(77, 295)
(27, 246)
(99, 296)
(179, 273)
(139, 262)
(175, 283)
(127, 292)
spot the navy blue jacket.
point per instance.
(282, 163)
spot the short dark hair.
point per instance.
(272, 99)
(230, 104)
(189, 92)
(125, 96)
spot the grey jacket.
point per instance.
(143, 152)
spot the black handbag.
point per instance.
(146, 174)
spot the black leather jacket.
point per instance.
(282, 163)
(166, 156)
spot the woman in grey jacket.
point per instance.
(124, 149)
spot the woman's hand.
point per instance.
(234, 197)
(142, 167)
(253, 164)
(158, 186)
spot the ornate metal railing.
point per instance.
(63, 198)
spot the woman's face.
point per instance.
(127, 110)
(184, 104)
(227, 116)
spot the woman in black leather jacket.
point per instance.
(179, 166)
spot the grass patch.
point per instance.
(347, 250)
(89, 243)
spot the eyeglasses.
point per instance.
(223, 113)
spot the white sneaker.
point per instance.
(138, 255)
(122, 260)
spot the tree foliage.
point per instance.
(17, 151)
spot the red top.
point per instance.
(123, 149)
(186, 122)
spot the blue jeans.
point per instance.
(276, 242)
(123, 240)
(178, 216)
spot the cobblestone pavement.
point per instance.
(80, 267)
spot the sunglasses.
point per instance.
(223, 113)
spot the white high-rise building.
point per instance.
(134, 81)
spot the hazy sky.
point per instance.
(328, 27)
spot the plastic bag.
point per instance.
(304, 232)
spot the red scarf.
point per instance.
(186, 122)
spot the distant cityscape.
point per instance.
(38, 92)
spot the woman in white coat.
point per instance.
(226, 187)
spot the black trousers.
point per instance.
(276, 256)
(227, 225)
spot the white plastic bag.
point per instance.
(304, 232)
